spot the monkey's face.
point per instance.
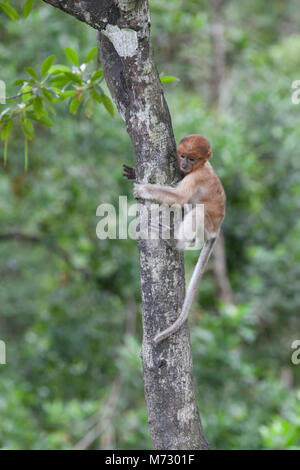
(193, 151)
(186, 163)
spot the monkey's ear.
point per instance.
(209, 154)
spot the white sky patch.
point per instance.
(124, 40)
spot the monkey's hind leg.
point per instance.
(191, 230)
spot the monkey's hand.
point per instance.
(141, 191)
(128, 172)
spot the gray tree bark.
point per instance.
(126, 55)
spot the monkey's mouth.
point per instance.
(185, 170)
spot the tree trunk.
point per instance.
(126, 54)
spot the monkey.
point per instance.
(200, 185)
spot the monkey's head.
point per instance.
(192, 152)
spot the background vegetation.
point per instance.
(70, 304)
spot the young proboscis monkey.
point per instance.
(200, 185)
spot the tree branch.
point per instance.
(96, 13)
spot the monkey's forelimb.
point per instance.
(129, 172)
(191, 292)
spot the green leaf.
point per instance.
(108, 104)
(74, 105)
(71, 56)
(47, 95)
(27, 128)
(9, 10)
(4, 113)
(168, 79)
(44, 119)
(48, 103)
(56, 69)
(96, 75)
(6, 129)
(91, 54)
(20, 81)
(60, 81)
(46, 65)
(31, 72)
(89, 108)
(96, 96)
(27, 92)
(38, 106)
(72, 76)
(55, 90)
(27, 7)
(67, 94)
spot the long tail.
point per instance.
(191, 292)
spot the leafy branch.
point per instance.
(39, 92)
(79, 84)
(12, 12)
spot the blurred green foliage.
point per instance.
(70, 304)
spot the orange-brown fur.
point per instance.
(200, 184)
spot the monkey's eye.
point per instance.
(191, 159)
